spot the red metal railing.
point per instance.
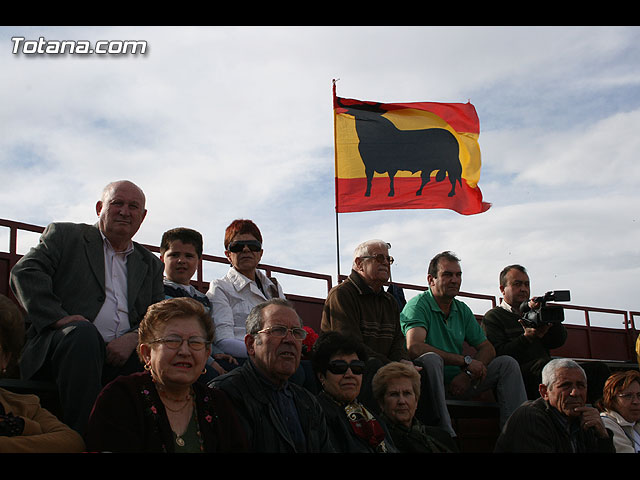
(592, 342)
(588, 341)
(13, 256)
(422, 288)
(203, 284)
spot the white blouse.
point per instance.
(232, 297)
(626, 435)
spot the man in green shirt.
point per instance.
(436, 325)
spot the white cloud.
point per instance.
(217, 123)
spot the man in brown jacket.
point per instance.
(360, 307)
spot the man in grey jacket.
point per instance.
(85, 289)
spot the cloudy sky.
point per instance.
(218, 123)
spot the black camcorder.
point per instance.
(544, 314)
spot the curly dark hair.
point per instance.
(331, 343)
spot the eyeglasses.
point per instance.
(237, 247)
(339, 367)
(380, 258)
(174, 342)
(630, 396)
(281, 331)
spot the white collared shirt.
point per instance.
(507, 307)
(232, 298)
(113, 319)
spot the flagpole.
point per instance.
(337, 247)
(335, 150)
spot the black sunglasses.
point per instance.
(338, 367)
(237, 247)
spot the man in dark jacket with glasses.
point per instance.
(279, 416)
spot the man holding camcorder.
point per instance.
(529, 338)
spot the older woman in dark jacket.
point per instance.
(166, 409)
(396, 388)
(339, 363)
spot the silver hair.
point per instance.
(550, 370)
(365, 248)
(254, 322)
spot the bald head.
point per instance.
(121, 211)
(114, 186)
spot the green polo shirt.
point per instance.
(448, 334)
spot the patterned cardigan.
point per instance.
(130, 417)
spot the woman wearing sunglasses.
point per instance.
(339, 363)
(242, 288)
(165, 408)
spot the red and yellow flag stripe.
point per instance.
(459, 119)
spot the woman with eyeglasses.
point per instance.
(165, 408)
(243, 287)
(339, 363)
(620, 410)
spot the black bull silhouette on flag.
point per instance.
(386, 149)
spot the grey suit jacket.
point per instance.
(64, 275)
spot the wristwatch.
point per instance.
(467, 361)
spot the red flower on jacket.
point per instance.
(310, 339)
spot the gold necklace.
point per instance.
(186, 400)
(179, 440)
(161, 393)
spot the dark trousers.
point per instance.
(76, 363)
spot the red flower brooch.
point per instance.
(310, 339)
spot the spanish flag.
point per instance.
(406, 155)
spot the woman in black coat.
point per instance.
(165, 408)
(339, 363)
(396, 388)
